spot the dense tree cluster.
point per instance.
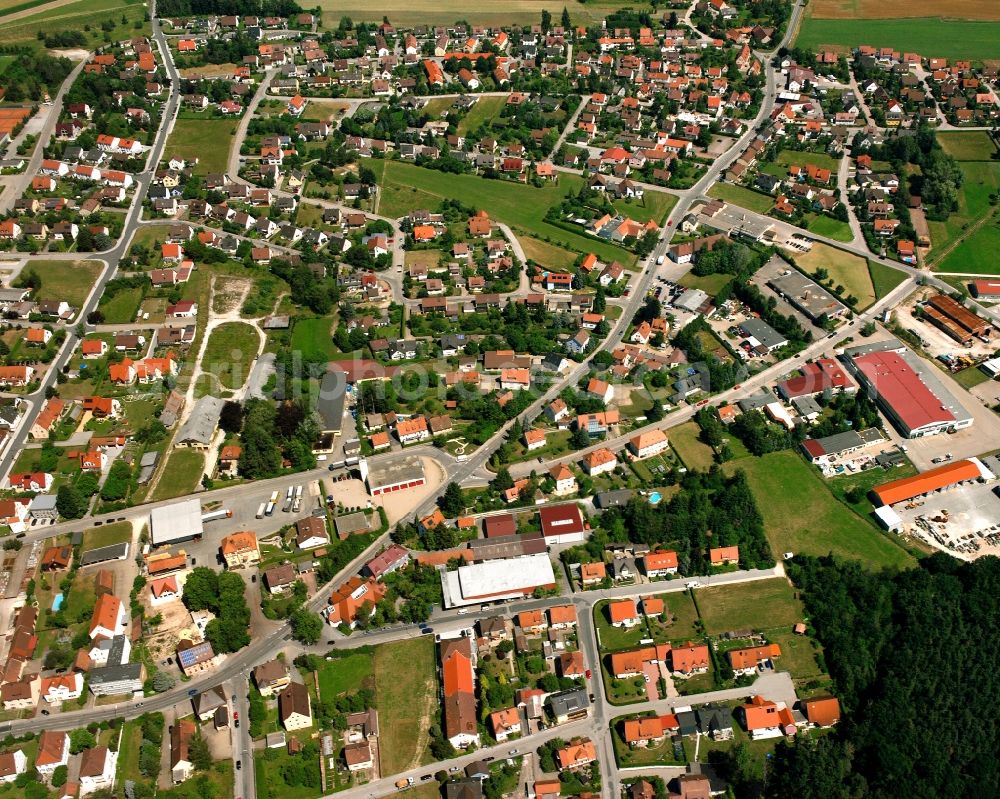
(224, 595)
(721, 374)
(204, 8)
(712, 511)
(915, 665)
(271, 434)
(31, 72)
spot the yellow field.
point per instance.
(850, 271)
(904, 9)
(485, 12)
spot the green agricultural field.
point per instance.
(762, 604)
(181, 474)
(884, 278)
(981, 180)
(932, 37)
(972, 145)
(685, 442)
(745, 198)
(65, 280)
(231, 348)
(977, 254)
(107, 535)
(206, 139)
(406, 694)
(483, 112)
(313, 337)
(801, 514)
(53, 17)
(843, 268)
(487, 12)
(346, 675)
(406, 188)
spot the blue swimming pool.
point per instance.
(655, 498)
(57, 601)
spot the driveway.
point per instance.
(651, 673)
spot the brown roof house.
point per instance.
(294, 707)
(181, 734)
(271, 677)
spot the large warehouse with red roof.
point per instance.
(911, 397)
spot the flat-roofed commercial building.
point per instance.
(494, 580)
(392, 474)
(807, 295)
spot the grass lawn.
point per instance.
(429, 258)
(932, 36)
(662, 755)
(128, 752)
(981, 179)
(438, 106)
(798, 654)
(971, 377)
(694, 453)
(762, 604)
(483, 112)
(122, 307)
(654, 205)
(710, 284)
(787, 158)
(545, 254)
(65, 280)
(973, 145)
(406, 187)
(107, 535)
(231, 348)
(884, 278)
(205, 139)
(313, 338)
(626, 691)
(976, 254)
(824, 225)
(745, 198)
(428, 790)
(220, 776)
(612, 639)
(181, 474)
(406, 694)
(802, 515)
(345, 675)
(681, 606)
(844, 268)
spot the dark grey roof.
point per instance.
(569, 702)
(200, 425)
(112, 674)
(613, 499)
(101, 554)
(330, 402)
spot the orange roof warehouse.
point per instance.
(954, 507)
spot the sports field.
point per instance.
(484, 12)
(929, 36)
(850, 271)
(405, 188)
(802, 515)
